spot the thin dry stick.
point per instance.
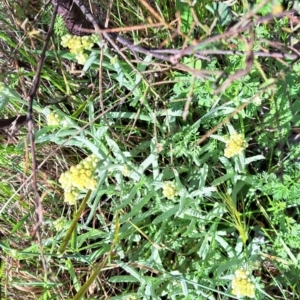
(202, 54)
(13, 121)
(242, 72)
(137, 114)
(108, 12)
(188, 100)
(257, 54)
(100, 79)
(161, 20)
(230, 33)
(124, 29)
(29, 119)
(32, 93)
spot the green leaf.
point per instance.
(185, 16)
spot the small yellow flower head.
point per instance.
(95, 38)
(54, 119)
(65, 40)
(277, 9)
(257, 101)
(78, 178)
(235, 145)
(125, 171)
(87, 42)
(91, 184)
(92, 161)
(169, 190)
(71, 197)
(59, 224)
(82, 58)
(66, 180)
(242, 285)
(114, 60)
(78, 44)
(75, 45)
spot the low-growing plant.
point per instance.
(154, 186)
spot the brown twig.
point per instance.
(79, 20)
(13, 121)
(230, 33)
(239, 73)
(123, 29)
(31, 95)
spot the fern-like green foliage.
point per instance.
(282, 200)
(60, 28)
(279, 189)
(185, 142)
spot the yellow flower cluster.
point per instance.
(77, 45)
(235, 145)
(54, 119)
(126, 171)
(242, 285)
(169, 190)
(78, 178)
(59, 224)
